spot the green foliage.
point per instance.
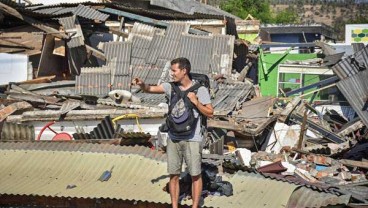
(287, 16)
(260, 9)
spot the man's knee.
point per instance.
(196, 177)
(174, 177)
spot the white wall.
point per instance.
(13, 68)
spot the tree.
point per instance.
(259, 9)
(287, 16)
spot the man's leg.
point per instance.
(193, 159)
(174, 190)
(174, 163)
(196, 189)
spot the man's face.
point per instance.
(176, 73)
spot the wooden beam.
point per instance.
(35, 23)
(98, 54)
(353, 163)
(225, 125)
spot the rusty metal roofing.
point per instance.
(229, 96)
(89, 13)
(222, 54)
(16, 132)
(304, 197)
(94, 81)
(71, 24)
(355, 90)
(198, 49)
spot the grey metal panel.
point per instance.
(229, 95)
(156, 71)
(72, 24)
(144, 30)
(140, 46)
(155, 48)
(352, 64)
(191, 7)
(355, 90)
(357, 46)
(222, 54)
(89, 13)
(198, 49)
(51, 10)
(151, 99)
(118, 55)
(94, 81)
(361, 58)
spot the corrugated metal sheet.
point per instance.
(89, 13)
(222, 54)
(84, 148)
(355, 90)
(198, 49)
(72, 24)
(191, 7)
(229, 96)
(118, 55)
(15, 132)
(151, 99)
(304, 197)
(122, 52)
(129, 179)
(166, 47)
(144, 30)
(81, 165)
(352, 64)
(253, 190)
(57, 170)
(140, 46)
(357, 46)
(94, 81)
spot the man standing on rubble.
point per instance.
(189, 147)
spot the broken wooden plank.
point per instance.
(289, 108)
(10, 109)
(224, 125)
(353, 163)
(35, 23)
(318, 128)
(69, 105)
(98, 54)
(39, 80)
(33, 98)
(353, 127)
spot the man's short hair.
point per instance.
(184, 63)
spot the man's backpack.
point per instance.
(181, 120)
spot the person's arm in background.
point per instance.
(148, 88)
